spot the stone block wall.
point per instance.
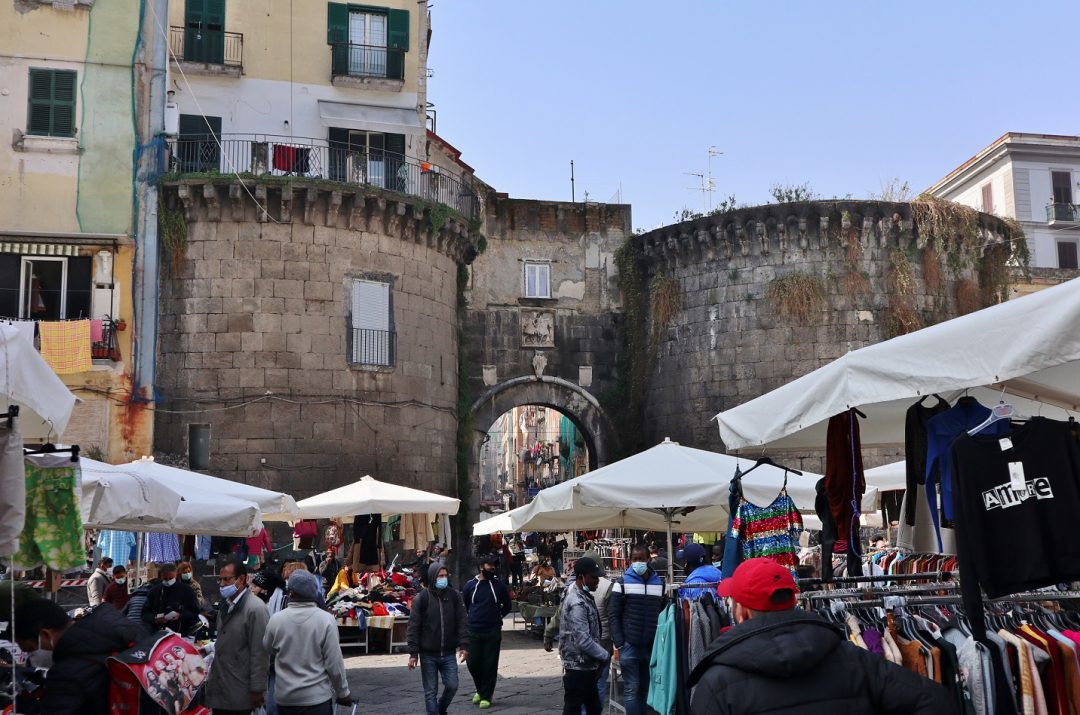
(253, 338)
(729, 342)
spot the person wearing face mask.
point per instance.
(636, 601)
(75, 652)
(237, 681)
(171, 604)
(699, 571)
(437, 630)
(487, 601)
(187, 576)
(583, 657)
(116, 593)
(98, 582)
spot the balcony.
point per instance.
(369, 66)
(207, 51)
(1062, 214)
(270, 155)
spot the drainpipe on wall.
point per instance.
(154, 55)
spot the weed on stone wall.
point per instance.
(173, 233)
(798, 297)
(625, 403)
(665, 299)
(900, 315)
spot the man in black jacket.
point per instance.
(487, 601)
(171, 604)
(438, 628)
(76, 653)
(779, 659)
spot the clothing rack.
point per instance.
(939, 575)
(899, 600)
(846, 593)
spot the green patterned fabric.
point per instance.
(53, 534)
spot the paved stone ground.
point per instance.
(530, 680)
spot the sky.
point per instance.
(842, 95)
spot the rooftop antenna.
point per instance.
(708, 186)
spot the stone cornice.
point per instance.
(803, 226)
(345, 206)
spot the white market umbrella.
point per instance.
(118, 498)
(663, 487)
(211, 514)
(275, 506)
(370, 496)
(888, 477)
(1028, 347)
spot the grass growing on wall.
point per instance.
(798, 297)
(173, 232)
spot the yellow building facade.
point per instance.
(67, 203)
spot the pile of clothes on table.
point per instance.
(358, 604)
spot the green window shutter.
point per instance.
(63, 116)
(337, 23)
(397, 29)
(51, 109)
(395, 144)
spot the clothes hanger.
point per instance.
(1000, 411)
(768, 460)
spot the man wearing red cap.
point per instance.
(780, 659)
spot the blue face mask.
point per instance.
(228, 591)
(442, 582)
(585, 588)
(639, 567)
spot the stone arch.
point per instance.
(572, 400)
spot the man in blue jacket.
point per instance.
(699, 571)
(487, 601)
(636, 601)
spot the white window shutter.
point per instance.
(371, 323)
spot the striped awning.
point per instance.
(39, 249)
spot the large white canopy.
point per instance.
(632, 493)
(275, 506)
(27, 380)
(370, 496)
(887, 477)
(119, 498)
(1029, 347)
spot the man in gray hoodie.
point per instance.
(438, 627)
(303, 642)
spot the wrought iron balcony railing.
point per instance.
(373, 61)
(207, 45)
(264, 154)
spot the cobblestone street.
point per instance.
(530, 680)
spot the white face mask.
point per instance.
(121, 581)
(169, 582)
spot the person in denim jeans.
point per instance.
(437, 630)
(636, 601)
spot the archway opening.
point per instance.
(526, 449)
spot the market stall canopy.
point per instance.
(119, 498)
(632, 493)
(370, 496)
(275, 506)
(204, 513)
(887, 477)
(1029, 347)
(28, 381)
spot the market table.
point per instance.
(531, 611)
(395, 625)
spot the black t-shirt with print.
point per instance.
(1011, 540)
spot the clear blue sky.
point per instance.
(837, 93)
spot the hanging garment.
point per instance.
(1017, 501)
(161, 548)
(25, 328)
(116, 545)
(733, 555)
(444, 532)
(941, 431)
(52, 534)
(915, 445)
(921, 536)
(202, 547)
(291, 159)
(12, 487)
(97, 330)
(65, 345)
(771, 531)
(416, 531)
(663, 667)
(845, 482)
(366, 540)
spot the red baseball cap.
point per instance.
(754, 583)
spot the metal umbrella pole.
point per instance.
(669, 516)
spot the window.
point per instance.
(1062, 184)
(537, 279)
(988, 198)
(204, 31)
(45, 287)
(1067, 254)
(367, 41)
(196, 149)
(52, 103)
(371, 334)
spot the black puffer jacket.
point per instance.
(437, 622)
(796, 662)
(78, 682)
